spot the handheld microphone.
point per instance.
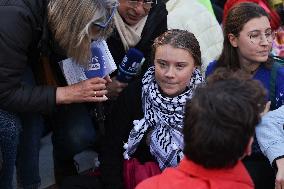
(97, 65)
(130, 65)
(101, 63)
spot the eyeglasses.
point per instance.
(256, 37)
(147, 4)
(106, 23)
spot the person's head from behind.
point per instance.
(220, 120)
(76, 23)
(132, 11)
(176, 55)
(247, 36)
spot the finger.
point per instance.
(96, 80)
(266, 109)
(108, 79)
(121, 84)
(277, 185)
(282, 184)
(98, 93)
(98, 87)
(99, 98)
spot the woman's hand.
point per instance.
(114, 88)
(90, 90)
(279, 181)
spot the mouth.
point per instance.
(133, 17)
(263, 53)
(169, 84)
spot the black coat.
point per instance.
(156, 24)
(20, 32)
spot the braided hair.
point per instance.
(180, 39)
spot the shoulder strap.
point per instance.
(276, 65)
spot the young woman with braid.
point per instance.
(23, 23)
(151, 106)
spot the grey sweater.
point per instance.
(270, 134)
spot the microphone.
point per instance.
(130, 65)
(100, 65)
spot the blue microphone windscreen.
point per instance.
(97, 64)
(130, 65)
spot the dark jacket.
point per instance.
(128, 106)
(20, 33)
(156, 24)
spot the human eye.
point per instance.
(180, 66)
(268, 33)
(133, 2)
(254, 35)
(161, 63)
(148, 1)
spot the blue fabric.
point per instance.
(9, 133)
(27, 162)
(21, 147)
(263, 75)
(73, 132)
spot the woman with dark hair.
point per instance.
(248, 39)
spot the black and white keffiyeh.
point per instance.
(164, 117)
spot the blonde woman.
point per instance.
(74, 25)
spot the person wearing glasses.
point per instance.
(248, 39)
(137, 24)
(73, 24)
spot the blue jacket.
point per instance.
(263, 75)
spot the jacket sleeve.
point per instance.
(16, 37)
(118, 125)
(270, 134)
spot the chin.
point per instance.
(262, 59)
(169, 92)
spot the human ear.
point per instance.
(248, 149)
(233, 40)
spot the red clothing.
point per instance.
(275, 20)
(190, 175)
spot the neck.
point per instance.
(249, 67)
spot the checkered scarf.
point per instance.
(164, 117)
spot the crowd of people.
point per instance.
(205, 110)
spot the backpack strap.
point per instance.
(279, 62)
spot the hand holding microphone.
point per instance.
(127, 70)
(130, 65)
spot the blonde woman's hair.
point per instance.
(72, 21)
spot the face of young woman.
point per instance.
(173, 69)
(254, 41)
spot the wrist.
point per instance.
(279, 163)
(62, 95)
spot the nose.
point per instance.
(264, 40)
(170, 73)
(139, 9)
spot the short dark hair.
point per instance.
(221, 118)
(237, 17)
